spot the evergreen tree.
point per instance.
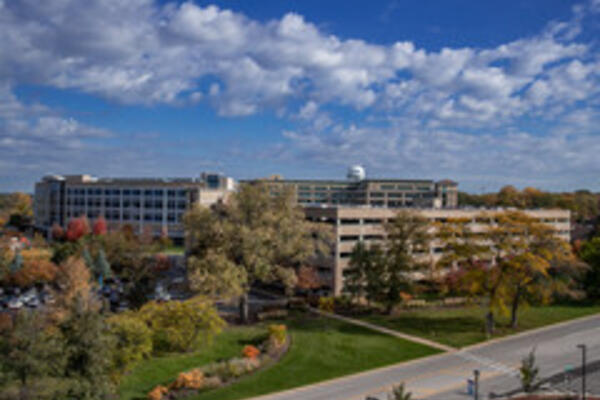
(29, 351)
(88, 351)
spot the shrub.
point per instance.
(399, 393)
(277, 335)
(133, 340)
(250, 351)
(193, 379)
(327, 304)
(212, 382)
(529, 373)
(179, 325)
(157, 393)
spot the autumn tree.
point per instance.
(77, 228)
(74, 280)
(308, 278)
(57, 232)
(254, 237)
(99, 227)
(512, 261)
(20, 210)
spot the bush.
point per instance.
(179, 325)
(157, 393)
(327, 304)
(133, 340)
(193, 379)
(212, 382)
(250, 351)
(277, 337)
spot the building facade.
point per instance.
(352, 224)
(357, 190)
(155, 205)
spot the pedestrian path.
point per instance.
(386, 331)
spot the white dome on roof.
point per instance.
(356, 173)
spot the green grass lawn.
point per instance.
(321, 349)
(463, 326)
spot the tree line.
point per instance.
(511, 263)
(582, 203)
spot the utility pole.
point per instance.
(476, 394)
(583, 356)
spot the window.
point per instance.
(158, 192)
(136, 192)
(304, 194)
(377, 203)
(387, 187)
(348, 221)
(147, 192)
(345, 255)
(424, 188)
(349, 238)
(373, 237)
(171, 193)
(377, 194)
(126, 192)
(158, 204)
(373, 220)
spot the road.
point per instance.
(443, 377)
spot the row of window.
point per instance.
(126, 192)
(115, 216)
(116, 203)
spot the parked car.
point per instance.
(15, 303)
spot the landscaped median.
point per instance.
(464, 326)
(320, 349)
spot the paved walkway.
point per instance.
(386, 331)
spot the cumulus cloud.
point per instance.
(169, 53)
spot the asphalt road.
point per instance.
(444, 377)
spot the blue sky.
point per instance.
(487, 93)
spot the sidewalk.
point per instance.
(386, 331)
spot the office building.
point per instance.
(145, 204)
(357, 189)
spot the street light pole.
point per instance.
(583, 356)
(476, 373)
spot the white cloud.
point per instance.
(149, 52)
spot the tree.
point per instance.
(590, 253)
(179, 325)
(355, 275)
(20, 210)
(99, 228)
(77, 228)
(57, 232)
(266, 237)
(29, 350)
(133, 340)
(88, 349)
(36, 271)
(512, 262)
(529, 373)
(102, 267)
(407, 248)
(132, 260)
(308, 278)
(74, 281)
